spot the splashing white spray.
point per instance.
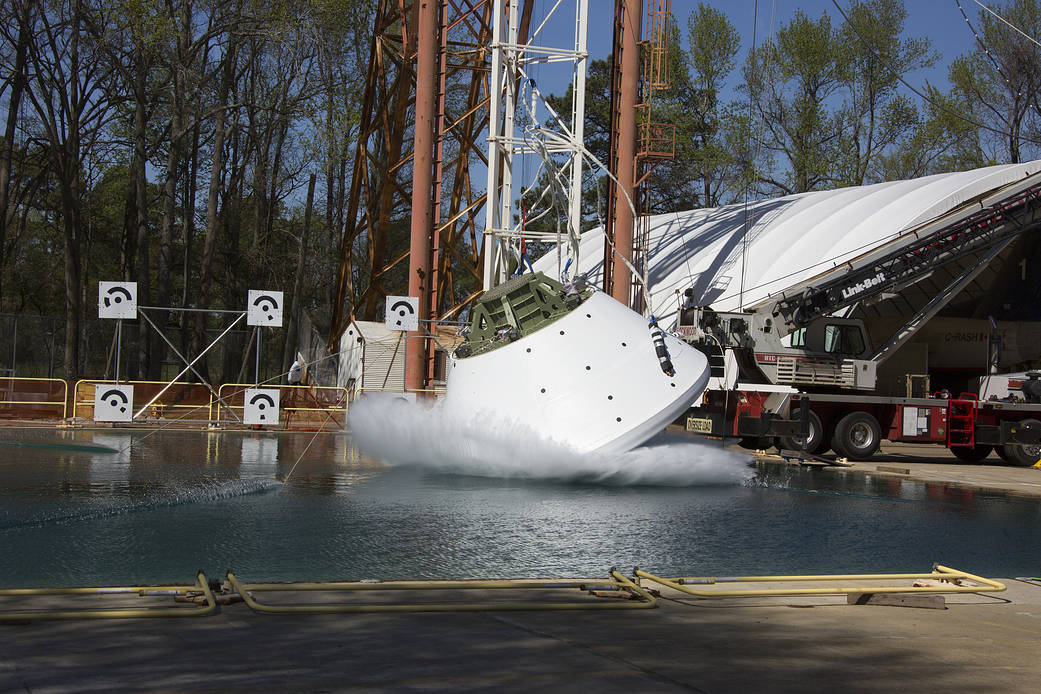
(400, 433)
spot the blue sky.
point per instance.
(938, 20)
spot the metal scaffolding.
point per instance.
(425, 124)
(522, 124)
(376, 238)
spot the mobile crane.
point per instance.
(801, 369)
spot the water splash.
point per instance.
(211, 491)
(771, 477)
(208, 491)
(400, 433)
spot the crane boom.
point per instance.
(972, 232)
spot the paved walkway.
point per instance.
(984, 643)
(935, 464)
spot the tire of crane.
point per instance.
(857, 436)
(814, 442)
(1024, 455)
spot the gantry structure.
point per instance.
(456, 37)
(444, 83)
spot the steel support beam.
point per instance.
(620, 283)
(421, 243)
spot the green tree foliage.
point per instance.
(142, 133)
(791, 79)
(942, 139)
(717, 148)
(998, 84)
(872, 59)
(830, 105)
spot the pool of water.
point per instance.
(157, 506)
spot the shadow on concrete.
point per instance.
(687, 645)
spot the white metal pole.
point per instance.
(511, 75)
(119, 344)
(256, 370)
(578, 129)
(491, 207)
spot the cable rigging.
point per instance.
(943, 107)
(983, 46)
(1010, 24)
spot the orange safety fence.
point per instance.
(181, 402)
(301, 408)
(33, 398)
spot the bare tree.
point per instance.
(70, 96)
(998, 84)
(17, 36)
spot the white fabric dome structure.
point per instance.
(743, 256)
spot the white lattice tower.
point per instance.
(542, 133)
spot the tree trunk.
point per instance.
(232, 223)
(187, 234)
(73, 308)
(128, 234)
(7, 153)
(212, 221)
(166, 225)
(292, 323)
(145, 370)
(71, 183)
(276, 170)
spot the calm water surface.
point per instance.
(171, 502)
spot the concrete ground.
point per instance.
(980, 642)
(934, 464)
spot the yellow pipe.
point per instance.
(30, 402)
(580, 583)
(140, 590)
(818, 577)
(995, 586)
(942, 573)
(644, 599)
(133, 613)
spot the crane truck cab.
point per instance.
(842, 337)
(827, 355)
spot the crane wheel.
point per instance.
(1023, 455)
(814, 442)
(857, 436)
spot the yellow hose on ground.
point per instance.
(114, 613)
(941, 573)
(642, 599)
